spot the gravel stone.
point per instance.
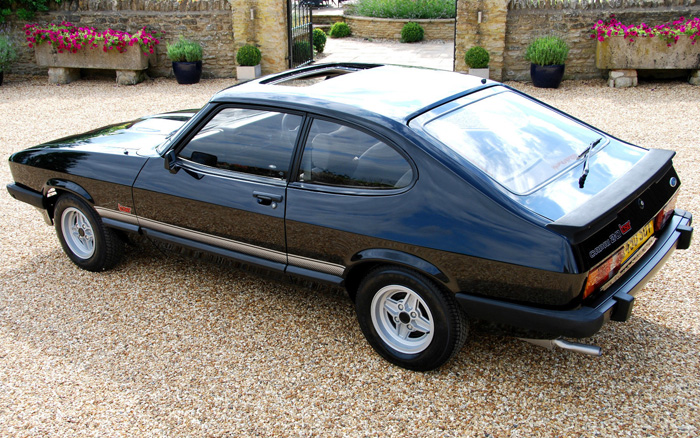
(169, 346)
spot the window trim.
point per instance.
(346, 190)
(217, 171)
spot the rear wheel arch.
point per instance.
(367, 260)
(410, 319)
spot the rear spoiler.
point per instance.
(591, 216)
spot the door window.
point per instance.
(339, 155)
(245, 140)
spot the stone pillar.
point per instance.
(262, 23)
(490, 33)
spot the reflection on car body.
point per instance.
(439, 207)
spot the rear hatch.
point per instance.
(608, 198)
(613, 229)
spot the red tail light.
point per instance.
(665, 213)
(602, 273)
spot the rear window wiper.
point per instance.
(585, 154)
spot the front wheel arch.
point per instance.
(83, 236)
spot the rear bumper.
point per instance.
(615, 304)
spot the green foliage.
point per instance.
(302, 50)
(548, 50)
(477, 57)
(404, 9)
(24, 9)
(319, 40)
(249, 56)
(411, 32)
(339, 30)
(185, 51)
(7, 53)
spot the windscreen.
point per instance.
(516, 141)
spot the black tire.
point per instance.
(83, 236)
(408, 319)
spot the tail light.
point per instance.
(665, 213)
(605, 271)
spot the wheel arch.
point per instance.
(365, 261)
(61, 185)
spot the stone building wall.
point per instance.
(207, 21)
(508, 26)
(262, 23)
(573, 24)
(387, 28)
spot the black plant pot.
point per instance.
(546, 76)
(1, 74)
(187, 72)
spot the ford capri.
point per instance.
(439, 201)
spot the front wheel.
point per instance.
(408, 319)
(83, 236)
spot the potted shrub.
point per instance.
(186, 56)
(412, 32)
(248, 59)
(477, 59)
(7, 55)
(547, 56)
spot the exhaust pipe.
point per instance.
(591, 350)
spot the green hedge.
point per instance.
(404, 9)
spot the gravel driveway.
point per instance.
(167, 346)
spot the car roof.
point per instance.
(391, 91)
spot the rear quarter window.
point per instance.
(338, 155)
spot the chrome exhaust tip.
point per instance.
(591, 350)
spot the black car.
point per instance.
(436, 199)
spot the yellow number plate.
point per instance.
(637, 240)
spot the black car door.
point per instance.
(227, 192)
(348, 195)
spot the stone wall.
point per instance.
(386, 28)
(574, 25)
(208, 22)
(508, 26)
(263, 23)
(481, 23)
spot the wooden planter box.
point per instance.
(623, 58)
(65, 67)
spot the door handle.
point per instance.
(267, 198)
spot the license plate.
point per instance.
(637, 240)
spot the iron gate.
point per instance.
(300, 33)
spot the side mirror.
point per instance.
(171, 162)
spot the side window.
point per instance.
(338, 155)
(245, 140)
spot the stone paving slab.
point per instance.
(432, 54)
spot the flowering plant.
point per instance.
(66, 37)
(669, 32)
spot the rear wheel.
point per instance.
(83, 236)
(408, 319)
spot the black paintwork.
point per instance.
(515, 260)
